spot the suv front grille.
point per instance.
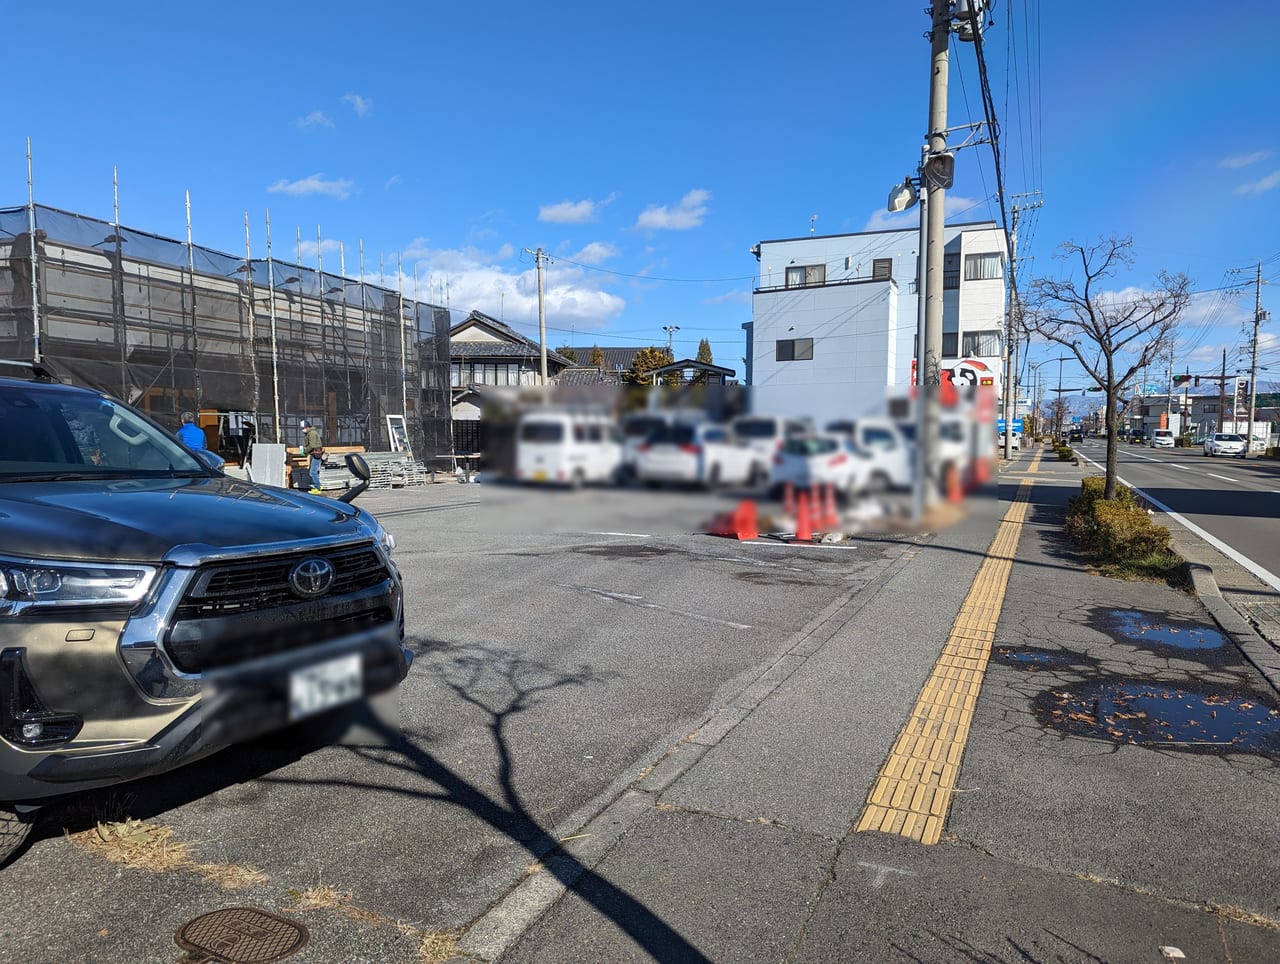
(234, 612)
(264, 584)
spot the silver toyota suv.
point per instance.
(154, 610)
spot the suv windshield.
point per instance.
(52, 432)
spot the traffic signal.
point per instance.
(1182, 379)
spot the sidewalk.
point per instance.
(1117, 794)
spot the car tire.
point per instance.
(878, 484)
(577, 480)
(14, 830)
(713, 477)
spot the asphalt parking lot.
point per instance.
(565, 641)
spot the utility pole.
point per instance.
(930, 391)
(670, 330)
(1222, 391)
(539, 257)
(1259, 316)
(1015, 308)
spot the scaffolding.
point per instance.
(256, 345)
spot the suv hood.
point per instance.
(142, 520)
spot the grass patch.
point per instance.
(434, 947)
(150, 846)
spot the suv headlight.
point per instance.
(384, 538)
(26, 583)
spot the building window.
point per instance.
(983, 267)
(794, 349)
(881, 269)
(803, 275)
(951, 272)
(949, 343)
(984, 344)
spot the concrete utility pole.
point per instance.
(1011, 362)
(1222, 391)
(940, 44)
(1259, 316)
(539, 257)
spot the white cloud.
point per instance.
(739, 297)
(958, 209)
(393, 181)
(315, 184)
(327, 246)
(361, 105)
(1244, 160)
(572, 212)
(482, 280)
(317, 118)
(1261, 185)
(685, 215)
(597, 252)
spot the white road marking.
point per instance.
(799, 545)
(629, 535)
(1270, 578)
(1224, 478)
(631, 600)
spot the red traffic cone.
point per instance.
(745, 524)
(954, 492)
(804, 527)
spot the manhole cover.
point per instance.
(240, 935)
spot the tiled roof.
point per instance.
(516, 347)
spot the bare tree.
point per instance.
(1113, 335)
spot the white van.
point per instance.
(1162, 438)
(562, 448)
(765, 433)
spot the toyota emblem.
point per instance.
(311, 577)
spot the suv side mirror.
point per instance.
(358, 467)
(212, 459)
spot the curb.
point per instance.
(1264, 657)
(1256, 649)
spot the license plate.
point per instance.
(539, 476)
(325, 685)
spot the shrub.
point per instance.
(1065, 454)
(1126, 532)
(1119, 533)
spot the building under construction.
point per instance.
(252, 345)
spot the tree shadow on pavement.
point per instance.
(494, 682)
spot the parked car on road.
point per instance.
(567, 448)
(766, 433)
(882, 439)
(153, 610)
(707, 454)
(810, 461)
(1138, 437)
(1225, 443)
(1162, 438)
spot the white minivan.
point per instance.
(564, 448)
(1162, 438)
(882, 439)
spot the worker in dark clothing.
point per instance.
(313, 448)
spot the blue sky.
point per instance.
(646, 148)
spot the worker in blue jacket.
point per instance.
(190, 434)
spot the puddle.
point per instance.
(1037, 658)
(1148, 629)
(1162, 715)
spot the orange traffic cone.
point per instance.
(789, 499)
(804, 527)
(954, 492)
(831, 514)
(745, 524)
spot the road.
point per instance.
(1237, 501)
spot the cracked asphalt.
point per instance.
(626, 741)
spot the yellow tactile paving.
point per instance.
(912, 793)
